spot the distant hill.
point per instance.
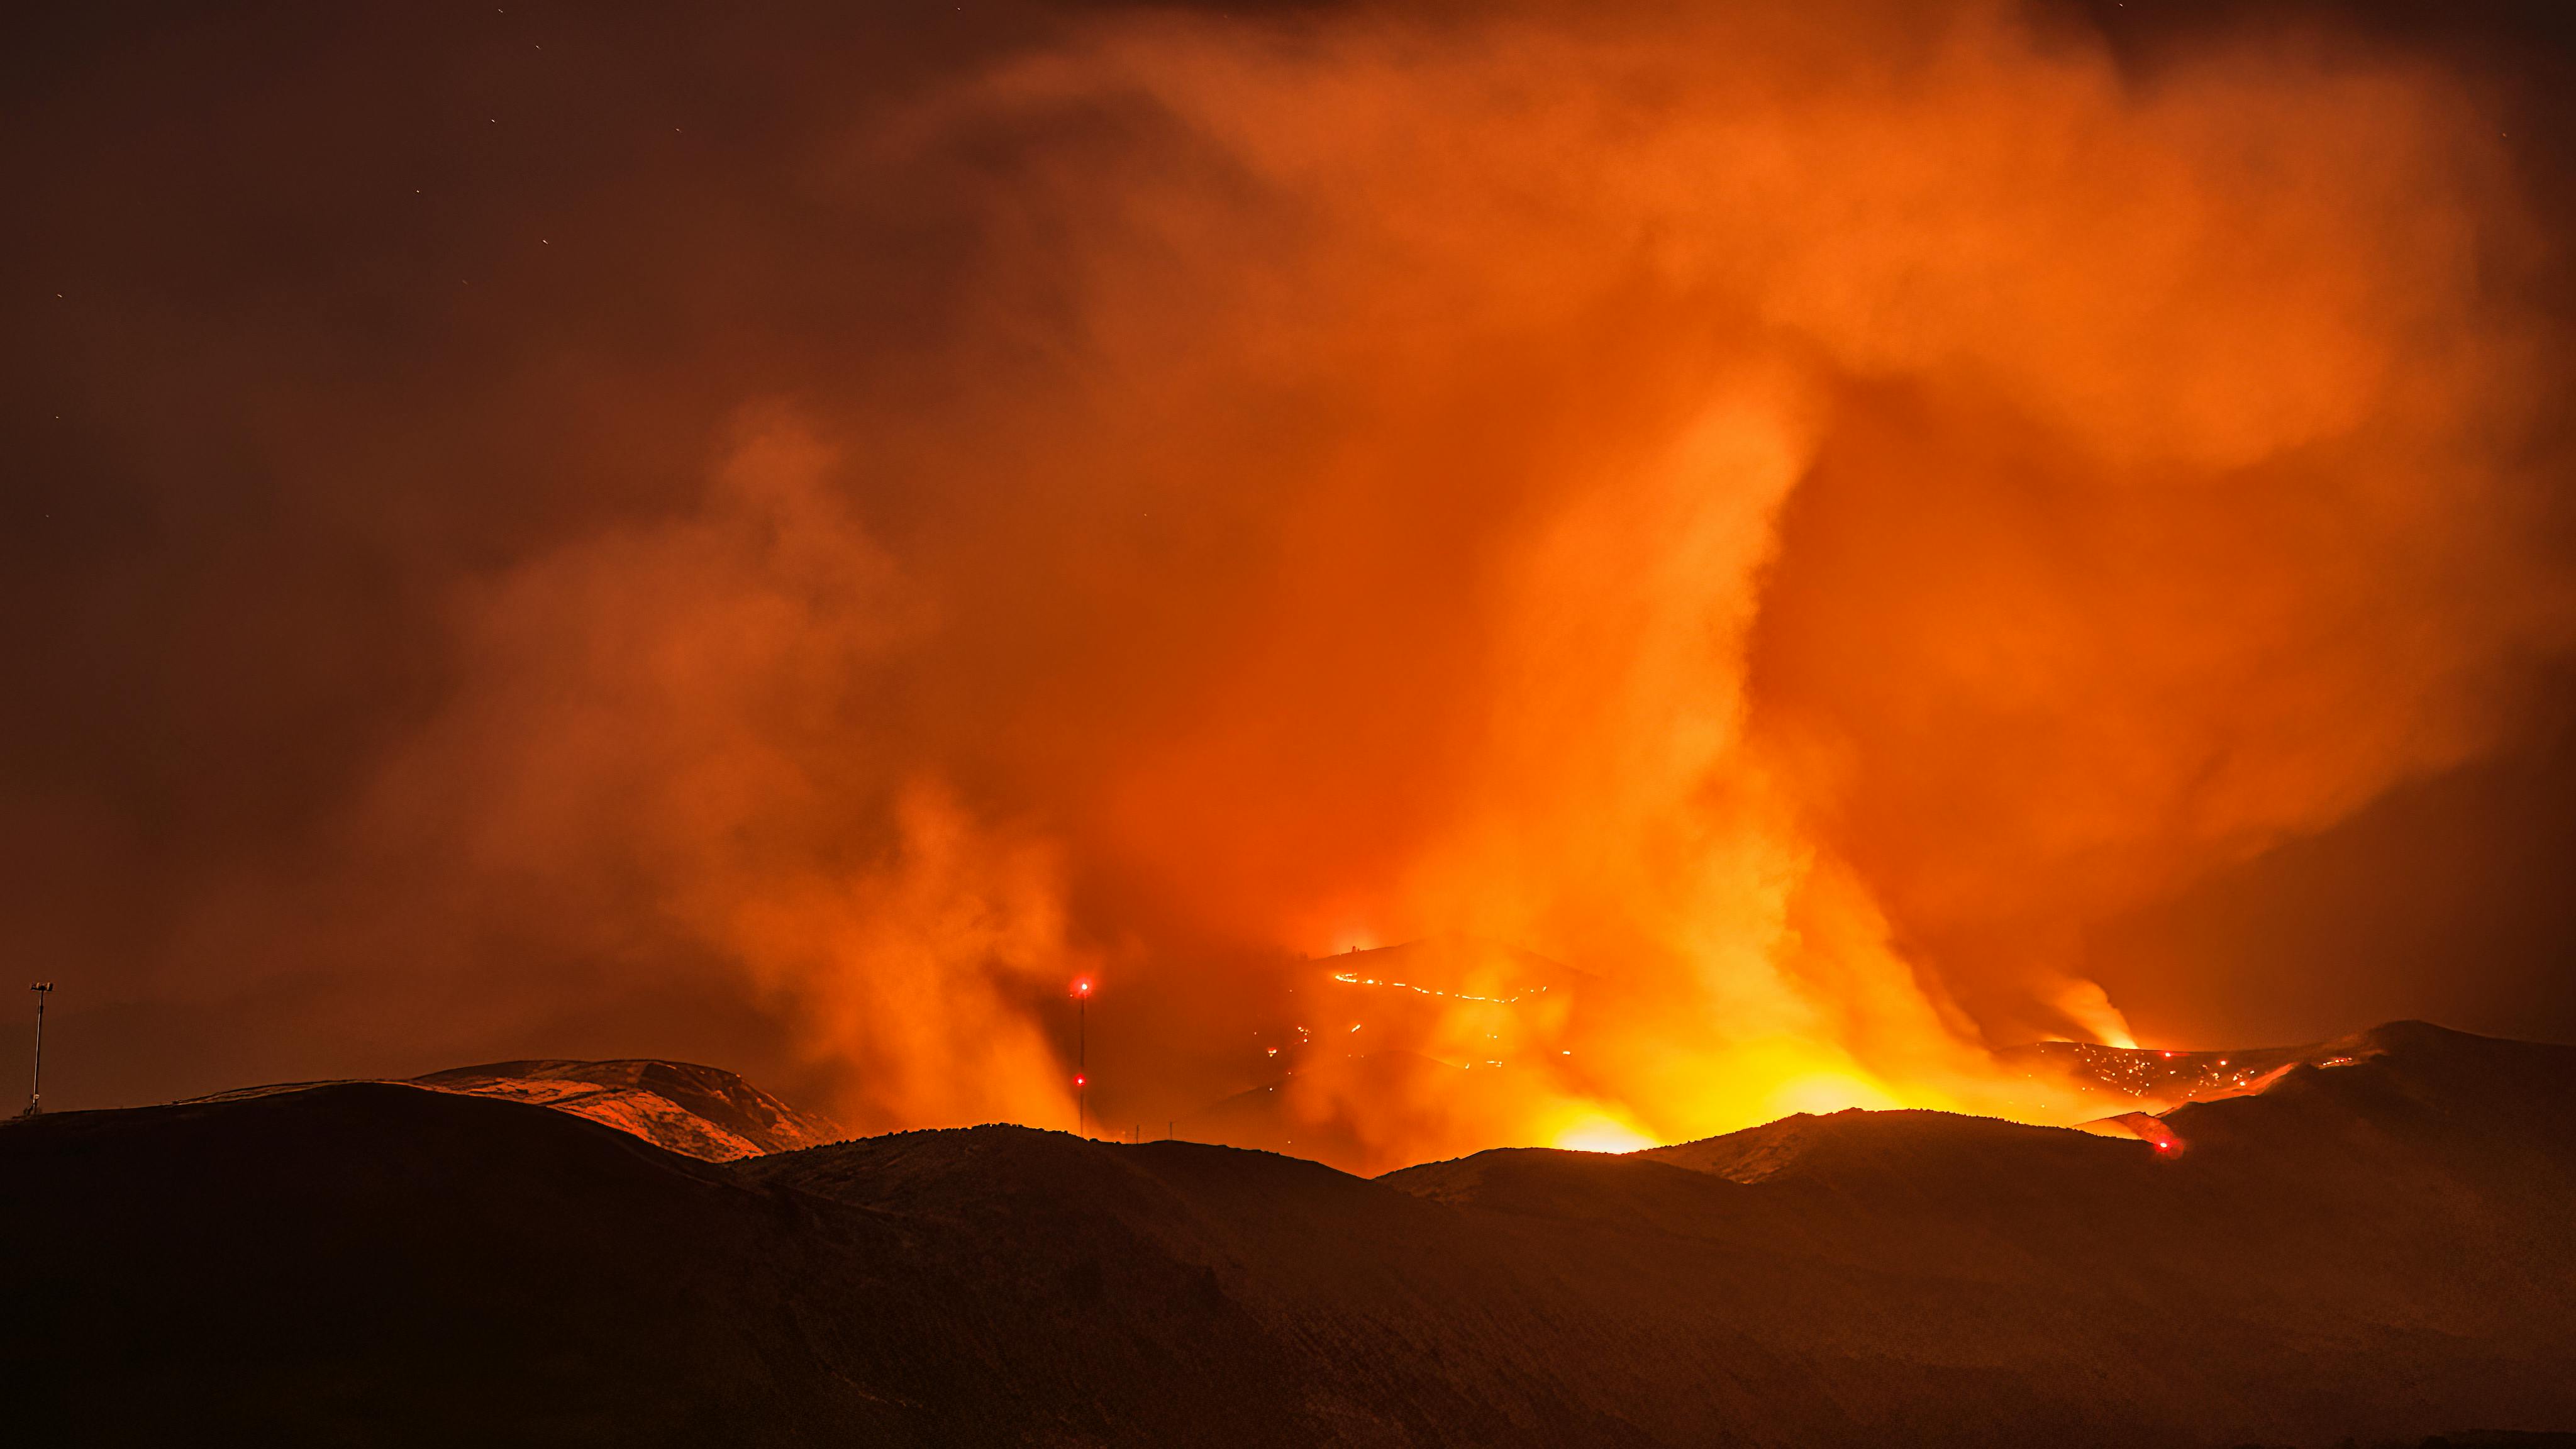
(2376, 1251)
(702, 1112)
(1448, 1026)
(2129, 1079)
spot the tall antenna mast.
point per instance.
(1081, 1058)
(36, 1088)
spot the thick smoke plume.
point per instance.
(1790, 514)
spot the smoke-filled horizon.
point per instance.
(616, 535)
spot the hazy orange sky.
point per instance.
(1870, 532)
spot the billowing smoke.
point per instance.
(1788, 514)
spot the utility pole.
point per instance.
(36, 1088)
(1081, 1058)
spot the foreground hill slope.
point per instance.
(2379, 1250)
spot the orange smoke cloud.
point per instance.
(1790, 516)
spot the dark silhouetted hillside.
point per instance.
(2378, 1250)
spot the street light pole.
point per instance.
(36, 1087)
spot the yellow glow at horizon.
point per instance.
(1823, 1092)
(1601, 1134)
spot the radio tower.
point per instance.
(36, 1089)
(1081, 1058)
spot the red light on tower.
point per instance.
(1081, 1056)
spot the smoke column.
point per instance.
(1790, 514)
